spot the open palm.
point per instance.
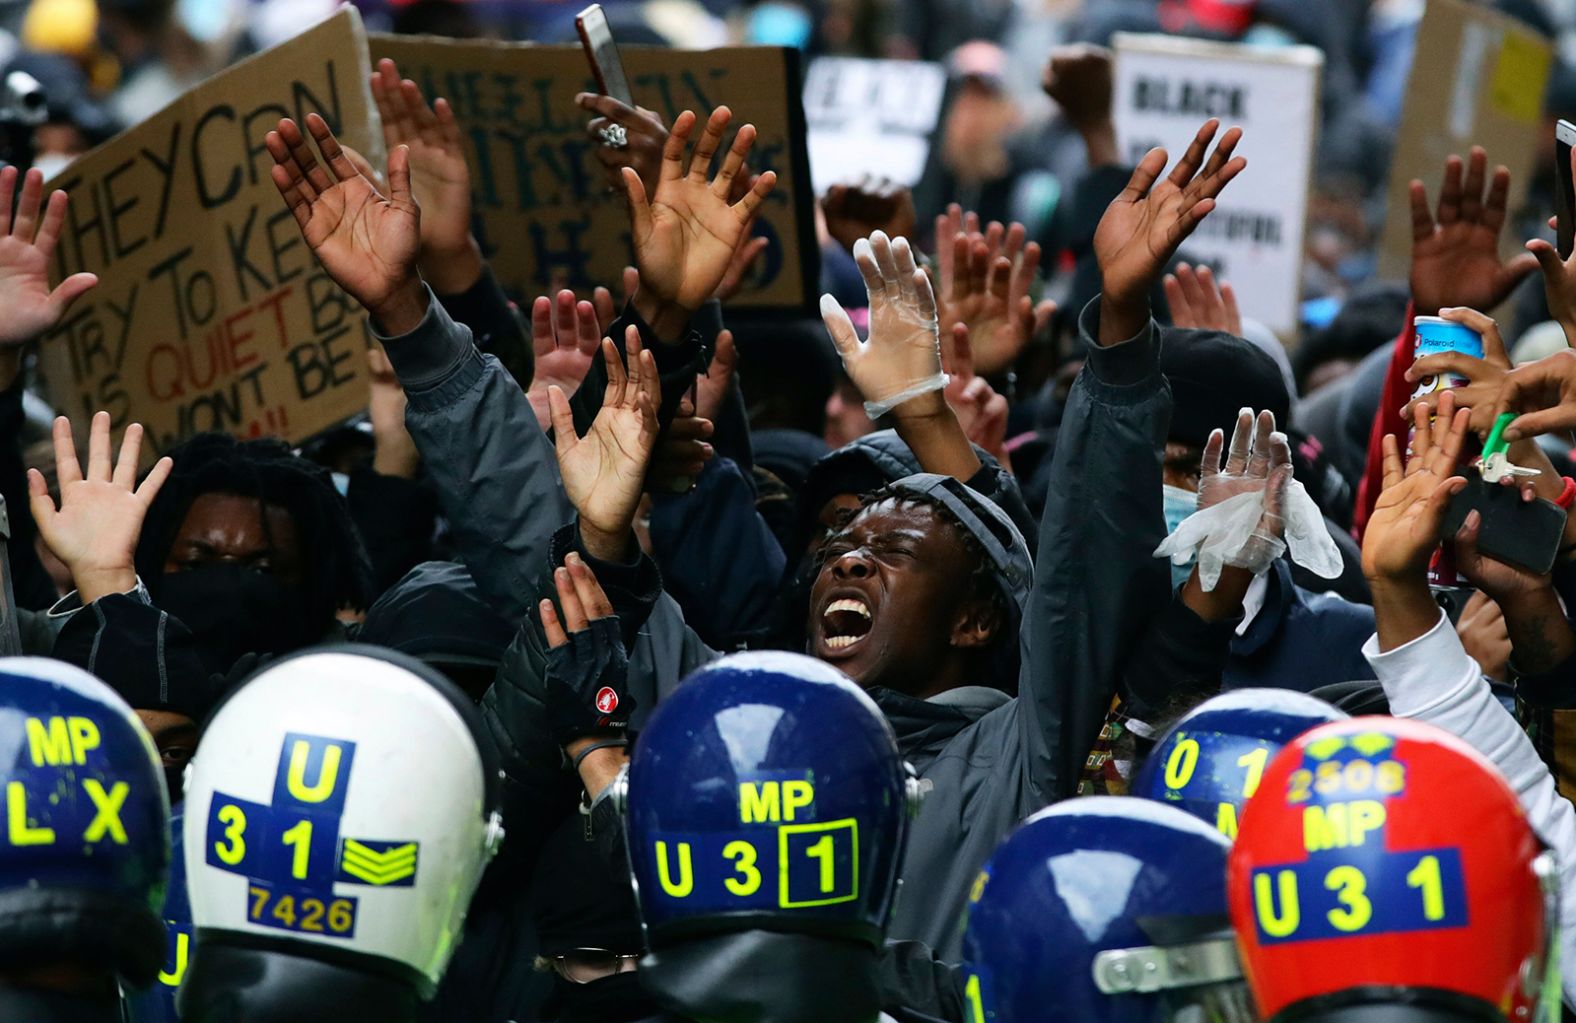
(566, 338)
(989, 293)
(95, 529)
(686, 233)
(1455, 254)
(365, 240)
(1143, 226)
(1410, 513)
(604, 472)
(439, 176)
(31, 308)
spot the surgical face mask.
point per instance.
(1177, 504)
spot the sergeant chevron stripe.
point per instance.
(378, 863)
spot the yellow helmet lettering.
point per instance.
(686, 882)
(18, 829)
(327, 775)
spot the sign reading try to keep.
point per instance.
(211, 312)
(544, 210)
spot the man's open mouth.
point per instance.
(845, 622)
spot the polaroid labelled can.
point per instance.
(1436, 335)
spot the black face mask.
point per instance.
(232, 610)
(615, 999)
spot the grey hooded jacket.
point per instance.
(991, 759)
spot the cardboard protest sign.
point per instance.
(1478, 79)
(1166, 87)
(211, 312)
(545, 214)
(871, 117)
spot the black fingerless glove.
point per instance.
(588, 683)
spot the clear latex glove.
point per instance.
(1243, 506)
(902, 359)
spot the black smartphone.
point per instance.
(1564, 189)
(597, 39)
(1522, 533)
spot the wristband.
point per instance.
(877, 409)
(1567, 495)
(603, 744)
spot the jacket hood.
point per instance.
(924, 727)
(436, 614)
(858, 467)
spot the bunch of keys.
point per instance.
(1495, 465)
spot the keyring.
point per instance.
(614, 136)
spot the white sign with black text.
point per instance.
(1167, 87)
(870, 117)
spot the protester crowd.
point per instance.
(1033, 636)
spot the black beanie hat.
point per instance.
(1213, 375)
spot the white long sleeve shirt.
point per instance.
(1433, 679)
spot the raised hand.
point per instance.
(94, 531)
(1152, 216)
(1455, 250)
(644, 138)
(1502, 582)
(450, 259)
(857, 209)
(1410, 514)
(368, 242)
(1196, 300)
(587, 690)
(902, 359)
(988, 291)
(1559, 278)
(686, 232)
(604, 471)
(948, 226)
(1081, 79)
(981, 412)
(566, 338)
(31, 308)
(1543, 393)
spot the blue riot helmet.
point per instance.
(1211, 760)
(85, 856)
(766, 793)
(1106, 909)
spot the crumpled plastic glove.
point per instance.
(1252, 511)
(902, 358)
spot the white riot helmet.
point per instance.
(340, 812)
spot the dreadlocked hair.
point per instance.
(982, 584)
(338, 573)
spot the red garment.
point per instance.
(1387, 419)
